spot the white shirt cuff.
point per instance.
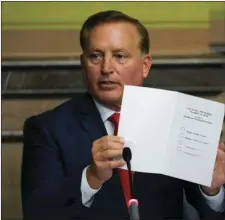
(216, 202)
(87, 193)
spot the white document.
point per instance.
(171, 133)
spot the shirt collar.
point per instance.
(105, 113)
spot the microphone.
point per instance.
(133, 203)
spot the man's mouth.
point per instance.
(108, 85)
(107, 82)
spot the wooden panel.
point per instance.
(221, 98)
(14, 112)
(41, 44)
(217, 30)
(11, 192)
(51, 44)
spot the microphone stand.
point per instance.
(133, 203)
(130, 179)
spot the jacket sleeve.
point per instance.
(47, 191)
(195, 198)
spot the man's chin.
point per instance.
(110, 98)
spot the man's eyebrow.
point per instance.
(91, 50)
(95, 50)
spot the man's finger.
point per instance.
(222, 146)
(104, 146)
(220, 155)
(116, 139)
(109, 154)
(110, 144)
(109, 138)
(115, 164)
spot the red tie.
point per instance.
(124, 176)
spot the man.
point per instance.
(68, 170)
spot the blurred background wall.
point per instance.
(40, 66)
(51, 29)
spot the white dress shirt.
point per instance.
(215, 202)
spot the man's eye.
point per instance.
(120, 56)
(96, 56)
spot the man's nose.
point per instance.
(107, 65)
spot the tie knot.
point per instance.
(115, 118)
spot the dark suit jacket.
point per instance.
(57, 147)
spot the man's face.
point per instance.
(112, 59)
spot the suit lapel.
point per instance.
(89, 118)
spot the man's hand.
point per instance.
(103, 152)
(218, 174)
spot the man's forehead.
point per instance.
(115, 24)
(115, 32)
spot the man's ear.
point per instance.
(147, 62)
